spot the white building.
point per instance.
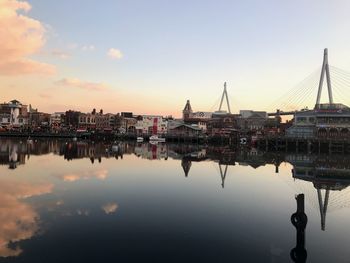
(56, 118)
(13, 114)
(151, 124)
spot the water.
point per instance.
(62, 201)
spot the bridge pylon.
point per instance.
(224, 95)
(324, 71)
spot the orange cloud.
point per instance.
(60, 54)
(21, 37)
(110, 208)
(72, 177)
(77, 83)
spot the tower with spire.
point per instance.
(187, 111)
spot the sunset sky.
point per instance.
(150, 56)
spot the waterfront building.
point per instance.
(13, 114)
(151, 125)
(128, 125)
(56, 119)
(87, 120)
(250, 120)
(199, 118)
(222, 123)
(39, 119)
(72, 118)
(325, 121)
(177, 128)
(105, 121)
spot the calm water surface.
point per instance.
(63, 201)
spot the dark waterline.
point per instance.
(64, 201)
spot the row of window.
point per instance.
(323, 119)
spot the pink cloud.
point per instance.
(45, 96)
(77, 83)
(21, 37)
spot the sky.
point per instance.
(150, 56)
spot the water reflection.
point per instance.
(23, 199)
(299, 221)
(19, 220)
(330, 176)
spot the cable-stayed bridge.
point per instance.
(301, 96)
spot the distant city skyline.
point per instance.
(149, 57)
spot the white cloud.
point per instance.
(88, 48)
(115, 53)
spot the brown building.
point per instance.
(72, 118)
(222, 123)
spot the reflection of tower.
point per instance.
(186, 165)
(323, 206)
(13, 156)
(224, 94)
(299, 221)
(223, 174)
(187, 111)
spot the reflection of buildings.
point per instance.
(12, 154)
(93, 151)
(330, 176)
(152, 151)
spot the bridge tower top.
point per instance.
(324, 71)
(224, 95)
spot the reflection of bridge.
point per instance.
(330, 177)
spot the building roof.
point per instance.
(15, 102)
(188, 126)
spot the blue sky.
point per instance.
(178, 50)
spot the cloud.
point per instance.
(45, 96)
(77, 83)
(88, 48)
(19, 221)
(84, 175)
(21, 36)
(60, 54)
(110, 208)
(115, 53)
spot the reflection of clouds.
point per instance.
(83, 212)
(71, 177)
(59, 202)
(18, 220)
(110, 208)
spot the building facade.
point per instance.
(13, 114)
(325, 121)
(151, 125)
